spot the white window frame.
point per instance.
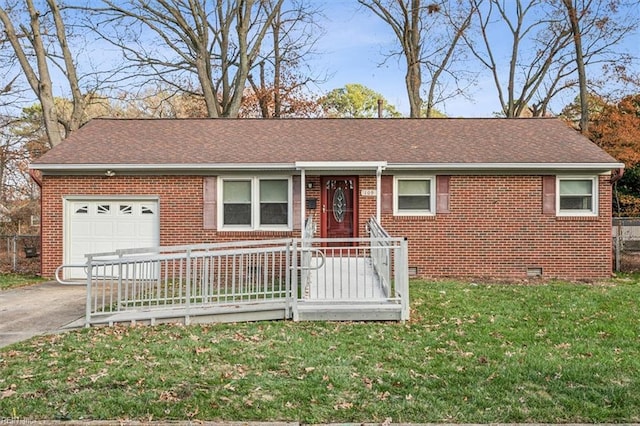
(594, 196)
(432, 196)
(255, 204)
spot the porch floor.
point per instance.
(343, 278)
(345, 289)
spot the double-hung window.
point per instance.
(414, 196)
(577, 196)
(255, 203)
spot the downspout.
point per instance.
(36, 175)
(616, 175)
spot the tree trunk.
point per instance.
(40, 82)
(414, 73)
(277, 67)
(582, 76)
(78, 100)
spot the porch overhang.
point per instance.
(339, 166)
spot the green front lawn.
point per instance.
(9, 281)
(472, 353)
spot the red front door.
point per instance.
(339, 207)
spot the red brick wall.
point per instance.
(180, 201)
(495, 227)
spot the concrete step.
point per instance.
(310, 311)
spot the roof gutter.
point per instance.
(148, 167)
(507, 166)
(327, 165)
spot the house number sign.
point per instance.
(368, 192)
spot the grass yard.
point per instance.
(472, 353)
(9, 281)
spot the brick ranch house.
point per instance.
(502, 198)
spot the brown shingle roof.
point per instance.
(285, 141)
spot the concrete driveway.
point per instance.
(39, 309)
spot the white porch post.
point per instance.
(303, 200)
(378, 193)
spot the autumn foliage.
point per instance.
(616, 128)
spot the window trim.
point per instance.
(255, 203)
(595, 200)
(432, 196)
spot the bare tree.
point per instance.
(537, 40)
(38, 44)
(446, 54)
(597, 28)
(403, 16)
(195, 46)
(574, 22)
(280, 67)
(428, 33)
(552, 46)
(15, 183)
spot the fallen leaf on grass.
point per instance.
(168, 396)
(8, 392)
(384, 396)
(192, 414)
(343, 406)
(94, 377)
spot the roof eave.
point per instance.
(506, 166)
(159, 167)
(329, 165)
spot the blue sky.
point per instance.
(354, 47)
(352, 50)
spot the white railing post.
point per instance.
(87, 320)
(402, 278)
(293, 272)
(188, 289)
(120, 304)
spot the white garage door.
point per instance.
(98, 226)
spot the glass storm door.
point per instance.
(339, 207)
